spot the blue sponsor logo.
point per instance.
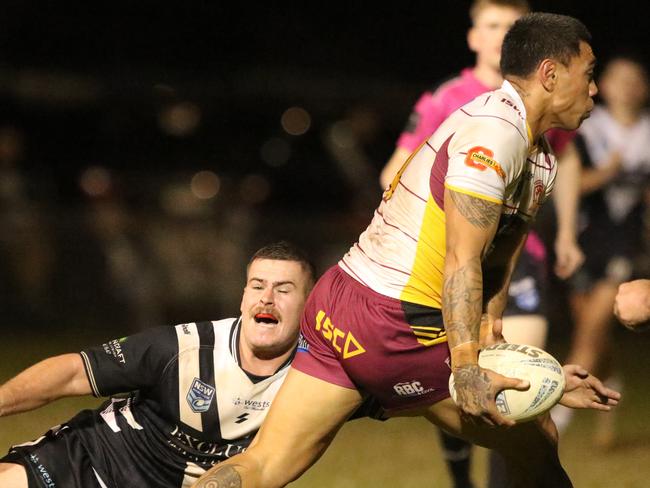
(200, 396)
(303, 346)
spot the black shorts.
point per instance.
(56, 460)
(527, 292)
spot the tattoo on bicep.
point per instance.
(462, 306)
(478, 212)
(225, 477)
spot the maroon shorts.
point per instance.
(357, 338)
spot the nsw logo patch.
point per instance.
(200, 396)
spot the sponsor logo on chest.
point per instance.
(258, 405)
(200, 396)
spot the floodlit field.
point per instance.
(400, 452)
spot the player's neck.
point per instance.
(536, 117)
(487, 76)
(262, 363)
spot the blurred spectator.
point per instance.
(615, 146)
(26, 255)
(201, 245)
(106, 274)
(348, 141)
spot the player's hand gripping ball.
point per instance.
(524, 362)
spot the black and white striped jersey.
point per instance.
(189, 403)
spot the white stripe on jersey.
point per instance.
(108, 414)
(188, 369)
(91, 376)
(128, 415)
(99, 480)
(55, 430)
(242, 404)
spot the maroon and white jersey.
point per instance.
(483, 149)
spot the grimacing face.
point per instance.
(485, 37)
(575, 89)
(271, 306)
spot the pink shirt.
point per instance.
(434, 107)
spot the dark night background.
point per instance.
(83, 78)
(117, 106)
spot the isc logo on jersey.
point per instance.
(411, 388)
(200, 396)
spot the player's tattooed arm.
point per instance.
(220, 477)
(470, 228)
(462, 303)
(478, 212)
(462, 309)
(473, 387)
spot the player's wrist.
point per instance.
(566, 234)
(465, 354)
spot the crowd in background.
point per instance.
(133, 238)
(111, 218)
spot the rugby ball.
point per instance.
(530, 363)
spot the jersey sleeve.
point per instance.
(485, 157)
(427, 115)
(130, 363)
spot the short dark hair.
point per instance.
(286, 251)
(538, 36)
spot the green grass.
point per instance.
(399, 452)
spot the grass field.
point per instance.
(400, 452)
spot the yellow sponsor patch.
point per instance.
(344, 342)
(480, 158)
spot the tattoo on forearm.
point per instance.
(224, 477)
(478, 212)
(472, 387)
(462, 303)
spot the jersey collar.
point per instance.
(235, 337)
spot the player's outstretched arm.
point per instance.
(46, 381)
(292, 437)
(583, 390)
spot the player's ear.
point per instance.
(547, 74)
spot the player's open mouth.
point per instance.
(266, 318)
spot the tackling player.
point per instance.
(196, 393)
(443, 242)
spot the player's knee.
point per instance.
(13, 476)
